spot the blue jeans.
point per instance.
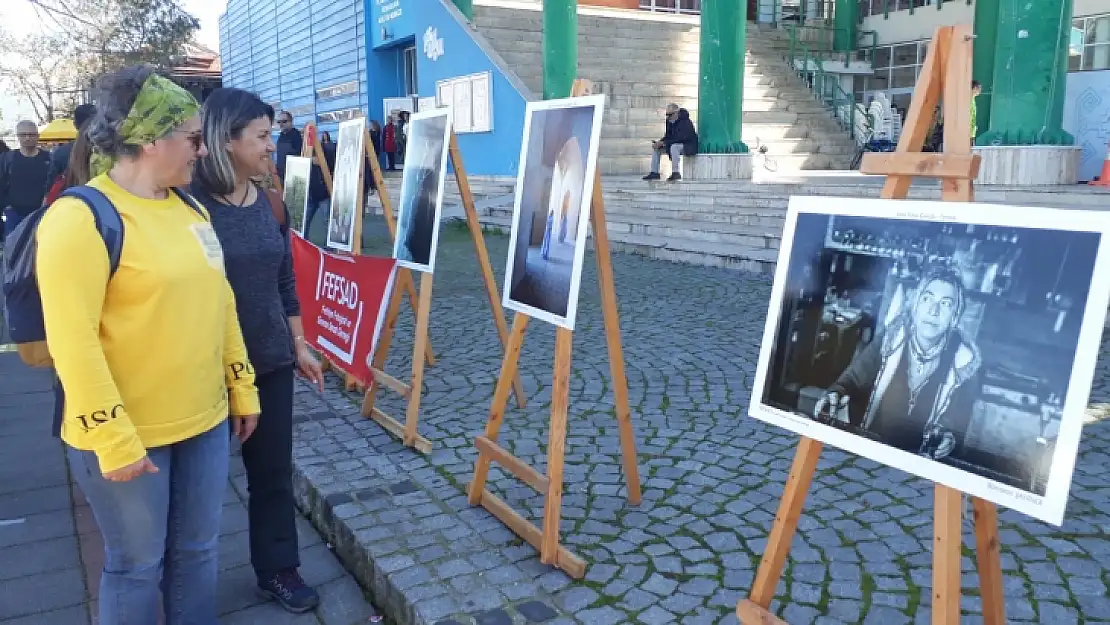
(161, 531)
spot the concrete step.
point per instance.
(627, 164)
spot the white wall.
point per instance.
(1086, 111)
(901, 26)
(1083, 8)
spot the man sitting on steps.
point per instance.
(680, 140)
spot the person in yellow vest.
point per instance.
(150, 359)
(976, 89)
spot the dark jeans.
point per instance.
(313, 208)
(391, 160)
(268, 456)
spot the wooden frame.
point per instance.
(421, 301)
(546, 540)
(946, 75)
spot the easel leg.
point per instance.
(419, 347)
(611, 316)
(753, 610)
(475, 226)
(497, 407)
(381, 354)
(947, 540)
(989, 559)
(556, 445)
(414, 301)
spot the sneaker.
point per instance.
(289, 590)
(675, 177)
(652, 176)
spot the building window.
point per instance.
(301, 111)
(868, 8)
(672, 6)
(896, 70)
(1089, 44)
(470, 99)
(341, 115)
(335, 91)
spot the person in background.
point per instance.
(389, 141)
(319, 198)
(680, 139)
(151, 359)
(325, 139)
(976, 89)
(402, 135)
(24, 177)
(59, 158)
(289, 141)
(259, 266)
(4, 147)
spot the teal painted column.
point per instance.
(986, 40)
(560, 47)
(846, 22)
(721, 76)
(1030, 74)
(466, 7)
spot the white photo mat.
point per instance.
(1051, 506)
(597, 102)
(346, 186)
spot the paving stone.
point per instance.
(536, 611)
(655, 616)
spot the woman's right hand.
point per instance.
(835, 405)
(132, 471)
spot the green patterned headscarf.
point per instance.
(160, 107)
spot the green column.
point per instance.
(986, 39)
(721, 82)
(466, 7)
(560, 47)
(1030, 74)
(845, 21)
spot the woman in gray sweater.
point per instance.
(259, 266)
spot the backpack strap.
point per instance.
(108, 221)
(191, 201)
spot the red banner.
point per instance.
(343, 303)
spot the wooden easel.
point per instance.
(946, 75)
(551, 485)
(408, 433)
(312, 148)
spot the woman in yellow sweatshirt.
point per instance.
(151, 359)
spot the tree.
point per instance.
(43, 69)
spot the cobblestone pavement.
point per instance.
(712, 478)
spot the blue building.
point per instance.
(321, 61)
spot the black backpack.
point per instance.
(21, 289)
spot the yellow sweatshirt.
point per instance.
(151, 357)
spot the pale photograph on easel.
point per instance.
(346, 186)
(552, 208)
(297, 172)
(422, 179)
(958, 345)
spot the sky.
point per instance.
(19, 18)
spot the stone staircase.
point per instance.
(643, 61)
(735, 224)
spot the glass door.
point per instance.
(410, 71)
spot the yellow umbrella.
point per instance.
(58, 130)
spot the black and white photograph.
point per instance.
(956, 342)
(347, 185)
(297, 172)
(425, 170)
(554, 189)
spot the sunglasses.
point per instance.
(195, 138)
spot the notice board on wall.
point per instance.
(471, 100)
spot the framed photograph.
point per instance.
(297, 172)
(422, 178)
(350, 155)
(551, 212)
(953, 341)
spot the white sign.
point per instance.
(433, 44)
(956, 342)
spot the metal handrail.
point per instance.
(826, 88)
(826, 36)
